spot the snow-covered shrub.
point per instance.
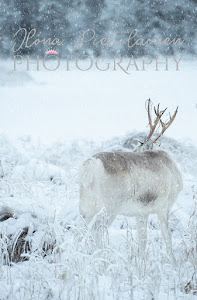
(40, 171)
(23, 234)
(183, 152)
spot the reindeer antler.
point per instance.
(158, 113)
(166, 124)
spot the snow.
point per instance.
(93, 104)
(49, 126)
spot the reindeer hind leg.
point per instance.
(165, 229)
(141, 226)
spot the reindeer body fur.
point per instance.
(131, 184)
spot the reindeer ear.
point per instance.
(141, 143)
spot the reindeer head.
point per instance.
(148, 143)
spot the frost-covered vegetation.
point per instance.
(48, 252)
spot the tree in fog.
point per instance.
(65, 18)
(92, 11)
(10, 18)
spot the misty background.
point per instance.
(64, 19)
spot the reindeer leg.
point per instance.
(111, 218)
(165, 229)
(141, 226)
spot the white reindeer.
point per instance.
(135, 183)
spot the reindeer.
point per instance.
(137, 183)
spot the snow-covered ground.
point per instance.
(50, 122)
(95, 104)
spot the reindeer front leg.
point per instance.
(165, 229)
(141, 226)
